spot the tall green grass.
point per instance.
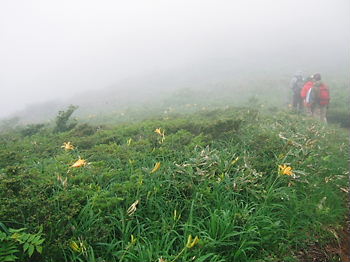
(219, 181)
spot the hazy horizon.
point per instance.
(53, 50)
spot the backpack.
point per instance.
(298, 85)
(319, 94)
(323, 95)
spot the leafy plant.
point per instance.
(62, 120)
(11, 241)
(31, 129)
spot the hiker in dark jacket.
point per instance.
(296, 86)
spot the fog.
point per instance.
(55, 50)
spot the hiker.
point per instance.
(296, 85)
(304, 91)
(319, 99)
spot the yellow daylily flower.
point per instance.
(128, 142)
(74, 246)
(133, 240)
(285, 170)
(159, 132)
(156, 167)
(176, 215)
(192, 242)
(67, 146)
(131, 210)
(234, 161)
(79, 247)
(79, 163)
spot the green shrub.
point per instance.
(62, 120)
(339, 117)
(16, 244)
(84, 130)
(31, 129)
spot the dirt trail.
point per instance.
(345, 244)
(335, 251)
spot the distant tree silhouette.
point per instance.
(62, 120)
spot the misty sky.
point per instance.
(53, 49)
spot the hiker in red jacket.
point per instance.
(319, 99)
(304, 91)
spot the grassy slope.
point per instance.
(138, 98)
(218, 180)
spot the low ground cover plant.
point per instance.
(225, 185)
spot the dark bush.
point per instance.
(340, 117)
(84, 130)
(62, 120)
(31, 129)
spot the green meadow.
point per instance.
(191, 178)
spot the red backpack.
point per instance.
(322, 94)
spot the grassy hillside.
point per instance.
(230, 184)
(136, 99)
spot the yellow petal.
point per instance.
(285, 170)
(189, 241)
(133, 240)
(156, 167)
(192, 242)
(195, 241)
(131, 210)
(74, 246)
(234, 161)
(67, 146)
(79, 163)
(159, 131)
